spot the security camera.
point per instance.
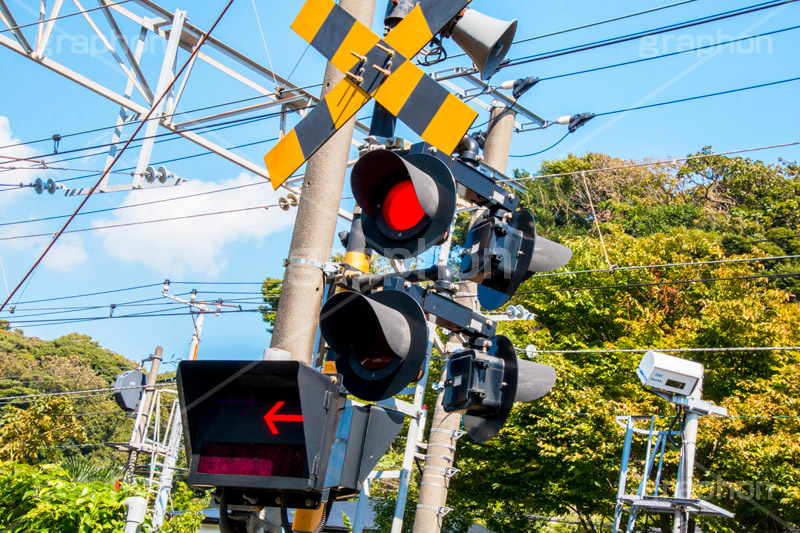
(669, 374)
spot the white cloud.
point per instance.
(69, 250)
(14, 157)
(66, 254)
(193, 245)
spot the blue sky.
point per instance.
(246, 247)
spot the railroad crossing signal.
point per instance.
(485, 383)
(259, 429)
(375, 68)
(408, 201)
(379, 341)
(501, 254)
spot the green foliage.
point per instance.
(560, 456)
(28, 434)
(82, 470)
(271, 292)
(74, 362)
(44, 499)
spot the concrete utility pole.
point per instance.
(303, 284)
(445, 427)
(141, 417)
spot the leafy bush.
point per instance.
(44, 499)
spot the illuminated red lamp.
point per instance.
(408, 201)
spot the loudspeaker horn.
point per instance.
(486, 40)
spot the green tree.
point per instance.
(31, 433)
(560, 456)
(271, 292)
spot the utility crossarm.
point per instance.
(142, 83)
(479, 89)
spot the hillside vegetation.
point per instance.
(560, 456)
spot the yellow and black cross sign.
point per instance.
(376, 68)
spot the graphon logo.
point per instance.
(656, 45)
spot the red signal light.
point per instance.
(401, 209)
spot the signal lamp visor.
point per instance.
(379, 341)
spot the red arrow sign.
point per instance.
(271, 417)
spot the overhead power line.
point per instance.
(25, 397)
(67, 15)
(139, 287)
(647, 33)
(544, 150)
(140, 222)
(676, 350)
(659, 104)
(606, 21)
(141, 204)
(668, 265)
(669, 54)
(170, 136)
(589, 25)
(699, 97)
(673, 160)
(77, 320)
(659, 283)
(194, 53)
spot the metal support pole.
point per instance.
(164, 79)
(123, 114)
(140, 427)
(416, 430)
(683, 487)
(442, 441)
(198, 330)
(315, 226)
(168, 467)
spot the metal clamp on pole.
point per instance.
(455, 434)
(328, 269)
(448, 471)
(441, 511)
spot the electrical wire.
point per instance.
(99, 293)
(165, 161)
(676, 350)
(546, 149)
(646, 33)
(659, 283)
(670, 54)
(141, 204)
(690, 98)
(652, 163)
(128, 224)
(118, 155)
(172, 136)
(669, 265)
(139, 287)
(56, 322)
(68, 15)
(659, 104)
(9, 399)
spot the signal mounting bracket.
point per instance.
(449, 314)
(475, 185)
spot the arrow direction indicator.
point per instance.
(271, 417)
